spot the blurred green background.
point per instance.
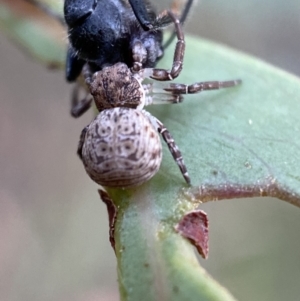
(53, 227)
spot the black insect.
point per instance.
(103, 33)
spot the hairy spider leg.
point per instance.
(163, 74)
(157, 93)
(80, 106)
(178, 89)
(81, 141)
(175, 8)
(139, 55)
(174, 149)
(139, 52)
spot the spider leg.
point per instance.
(79, 107)
(139, 55)
(163, 74)
(178, 89)
(156, 95)
(174, 150)
(184, 14)
(81, 141)
(176, 153)
(87, 73)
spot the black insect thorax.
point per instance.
(102, 32)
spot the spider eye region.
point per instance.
(115, 86)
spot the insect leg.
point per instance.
(141, 13)
(74, 65)
(139, 55)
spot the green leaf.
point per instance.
(238, 142)
(247, 135)
(154, 262)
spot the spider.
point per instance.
(103, 33)
(121, 146)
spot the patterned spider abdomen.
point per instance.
(121, 148)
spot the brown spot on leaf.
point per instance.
(214, 172)
(194, 227)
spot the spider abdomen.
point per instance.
(121, 148)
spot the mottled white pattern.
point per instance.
(121, 148)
